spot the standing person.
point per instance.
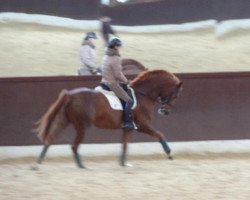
(106, 29)
(112, 76)
(88, 55)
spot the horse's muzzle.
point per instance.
(163, 111)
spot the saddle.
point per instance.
(114, 101)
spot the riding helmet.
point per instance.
(90, 35)
(114, 42)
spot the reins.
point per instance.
(148, 97)
(158, 100)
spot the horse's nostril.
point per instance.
(166, 113)
(162, 111)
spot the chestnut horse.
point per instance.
(83, 107)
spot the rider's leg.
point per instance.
(127, 116)
(127, 113)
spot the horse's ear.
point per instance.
(180, 84)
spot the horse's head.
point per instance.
(167, 99)
(159, 86)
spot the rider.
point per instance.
(88, 55)
(112, 76)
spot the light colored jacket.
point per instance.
(112, 68)
(87, 57)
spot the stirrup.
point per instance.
(129, 126)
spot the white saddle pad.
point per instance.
(113, 100)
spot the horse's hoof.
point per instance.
(39, 161)
(34, 168)
(126, 165)
(170, 157)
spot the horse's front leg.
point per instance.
(156, 134)
(123, 158)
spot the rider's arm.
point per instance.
(117, 69)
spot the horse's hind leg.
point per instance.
(43, 153)
(156, 134)
(79, 137)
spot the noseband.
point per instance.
(165, 101)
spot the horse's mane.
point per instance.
(147, 75)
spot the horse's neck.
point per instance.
(146, 91)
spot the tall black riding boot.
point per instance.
(128, 123)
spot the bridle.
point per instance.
(143, 94)
(166, 101)
(160, 100)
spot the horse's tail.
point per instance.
(54, 120)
